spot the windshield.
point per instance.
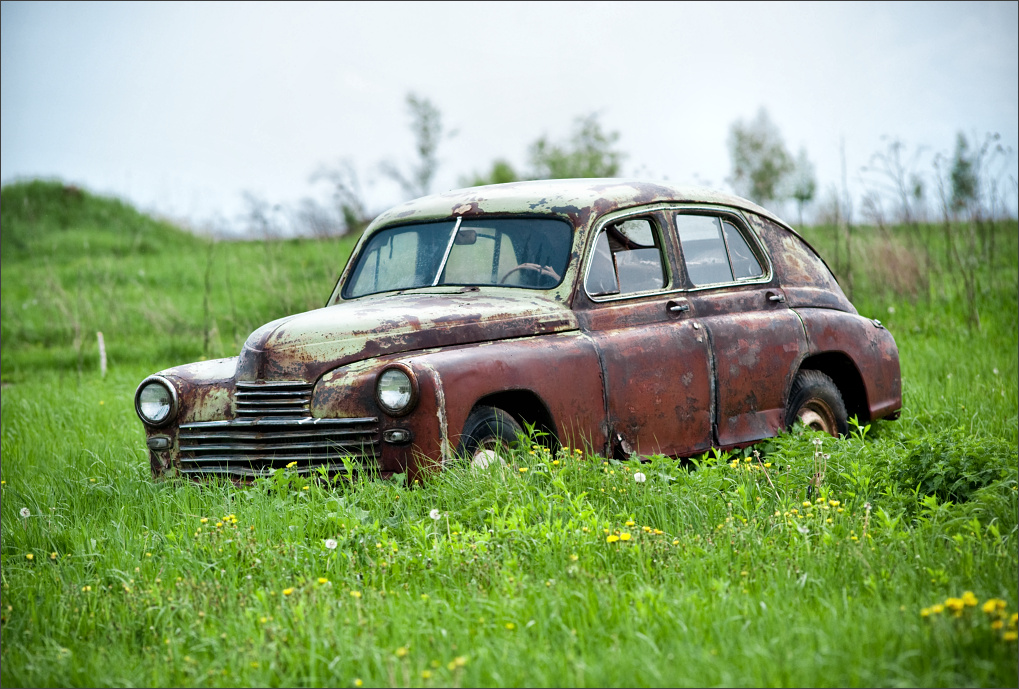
(517, 252)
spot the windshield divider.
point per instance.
(449, 247)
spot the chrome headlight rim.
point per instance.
(174, 401)
(414, 390)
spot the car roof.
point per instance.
(577, 199)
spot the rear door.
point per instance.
(755, 339)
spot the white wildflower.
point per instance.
(331, 543)
(639, 477)
(25, 512)
(435, 514)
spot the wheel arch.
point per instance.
(528, 409)
(846, 375)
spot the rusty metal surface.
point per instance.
(306, 345)
(870, 347)
(674, 372)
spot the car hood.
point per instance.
(306, 345)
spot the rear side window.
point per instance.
(627, 259)
(715, 251)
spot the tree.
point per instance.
(426, 125)
(501, 173)
(803, 182)
(589, 153)
(964, 175)
(760, 161)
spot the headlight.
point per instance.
(396, 390)
(156, 401)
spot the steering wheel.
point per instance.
(542, 271)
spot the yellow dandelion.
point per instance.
(358, 682)
(323, 580)
(675, 541)
(937, 608)
(647, 529)
(401, 652)
(29, 556)
(997, 624)
(574, 557)
(426, 674)
(631, 523)
(990, 606)
(624, 536)
(956, 605)
(287, 592)
(1013, 619)
(203, 520)
(53, 556)
(524, 469)
(969, 600)
(510, 626)
(355, 594)
(555, 462)
(925, 612)
(1009, 636)
(612, 538)
(806, 503)
(304, 488)
(767, 465)
(291, 465)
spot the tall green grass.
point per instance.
(552, 570)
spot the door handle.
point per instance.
(676, 307)
(777, 298)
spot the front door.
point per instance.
(655, 358)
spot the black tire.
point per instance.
(816, 402)
(486, 430)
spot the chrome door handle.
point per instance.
(676, 307)
(778, 298)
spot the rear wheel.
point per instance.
(487, 436)
(815, 401)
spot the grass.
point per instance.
(525, 577)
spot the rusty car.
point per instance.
(628, 317)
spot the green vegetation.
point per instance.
(554, 570)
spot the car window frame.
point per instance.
(659, 226)
(736, 218)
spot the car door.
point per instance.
(755, 339)
(654, 358)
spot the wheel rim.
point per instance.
(816, 415)
(487, 454)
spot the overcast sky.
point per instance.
(181, 108)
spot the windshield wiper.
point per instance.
(449, 247)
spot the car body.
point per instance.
(628, 317)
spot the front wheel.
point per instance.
(488, 433)
(815, 401)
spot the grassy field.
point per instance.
(555, 570)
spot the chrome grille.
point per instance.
(254, 447)
(284, 398)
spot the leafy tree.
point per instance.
(804, 182)
(760, 161)
(501, 173)
(964, 177)
(426, 125)
(589, 152)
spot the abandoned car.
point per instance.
(630, 318)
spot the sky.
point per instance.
(184, 109)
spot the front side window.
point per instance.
(627, 259)
(532, 253)
(715, 251)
